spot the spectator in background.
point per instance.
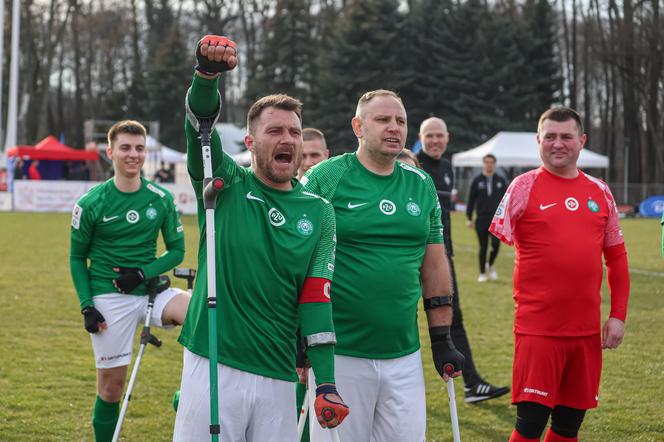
(314, 149)
(33, 171)
(486, 191)
(434, 138)
(408, 157)
(164, 174)
(18, 169)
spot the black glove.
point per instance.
(211, 67)
(130, 278)
(92, 318)
(446, 358)
(301, 353)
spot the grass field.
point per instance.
(47, 376)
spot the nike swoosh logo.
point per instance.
(255, 198)
(353, 206)
(543, 207)
(110, 218)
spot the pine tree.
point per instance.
(365, 52)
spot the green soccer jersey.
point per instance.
(267, 242)
(117, 229)
(383, 226)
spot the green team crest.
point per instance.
(593, 206)
(305, 227)
(413, 209)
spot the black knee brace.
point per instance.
(566, 421)
(531, 419)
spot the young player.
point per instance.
(115, 226)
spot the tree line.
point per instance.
(482, 66)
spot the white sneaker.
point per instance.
(482, 278)
(492, 273)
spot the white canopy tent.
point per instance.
(519, 149)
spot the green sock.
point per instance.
(300, 390)
(104, 418)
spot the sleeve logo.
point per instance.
(76, 216)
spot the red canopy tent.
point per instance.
(51, 149)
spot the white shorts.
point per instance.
(123, 313)
(252, 408)
(386, 399)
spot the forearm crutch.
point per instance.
(155, 285)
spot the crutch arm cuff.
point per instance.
(196, 120)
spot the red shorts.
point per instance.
(557, 371)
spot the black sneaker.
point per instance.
(483, 391)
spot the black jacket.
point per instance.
(483, 201)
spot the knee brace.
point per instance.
(531, 419)
(566, 421)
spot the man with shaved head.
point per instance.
(389, 254)
(434, 138)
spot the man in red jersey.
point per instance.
(561, 221)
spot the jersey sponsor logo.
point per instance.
(76, 216)
(413, 209)
(109, 218)
(571, 204)
(330, 267)
(133, 217)
(447, 179)
(544, 207)
(151, 213)
(535, 391)
(276, 218)
(354, 206)
(179, 229)
(593, 206)
(305, 227)
(252, 197)
(387, 207)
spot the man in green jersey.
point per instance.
(275, 246)
(116, 225)
(389, 253)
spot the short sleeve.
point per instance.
(511, 208)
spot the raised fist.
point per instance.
(215, 54)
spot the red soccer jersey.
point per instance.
(559, 228)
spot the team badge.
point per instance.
(413, 209)
(593, 206)
(151, 213)
(133, 217)
(276, 218)
(387, 207)
(572, 204)
(305, 227)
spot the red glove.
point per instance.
(220, 61)
(330, 408)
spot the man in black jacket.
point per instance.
(486, 192)
(434, 138)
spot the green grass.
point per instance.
(47, 376)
